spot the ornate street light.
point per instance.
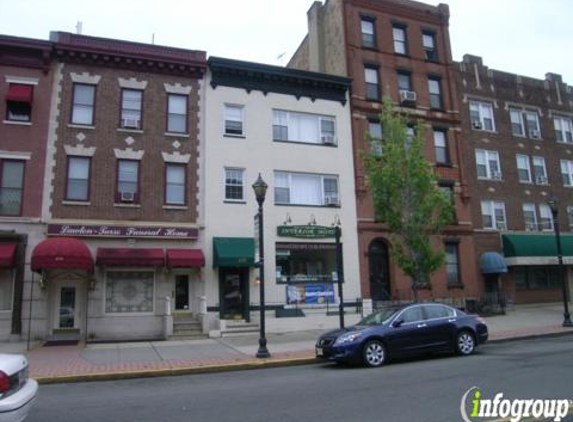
(260, 188)
(554, 205)
(339, 269)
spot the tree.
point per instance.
(406, 196)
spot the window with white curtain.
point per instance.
(493, 215)
(487, 163)
(306, 189)
(523, 168)
(175, 184)
(77, 188)
(545, 218)
(304, 127)
(83, 104)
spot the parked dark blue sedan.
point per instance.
(403, 331)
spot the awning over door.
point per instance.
(185, 258)
(535, 249)
(492, 263)
(62, 253)
(7, 255)
(20, 93)
(130, 257)
(233, 252)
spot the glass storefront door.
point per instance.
(234, 293)
(67, 307)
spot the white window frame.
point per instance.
(561, 124)
(325, 137)
(229, 117)
(481, 107)
(545, 217)
(369, 32)
(523, 159)
(489, 208)
(567, 170)
(529, 207)
(400, 43)
(241, 171)
(323, 199)
(539, 162)
(489, 156)
(441, 143)
(570, 216)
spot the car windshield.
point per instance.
(378, 318)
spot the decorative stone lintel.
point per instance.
(177, 89)
(85, 78)
(176, 157)
(132, 83)
(80, 150)
(128, 154)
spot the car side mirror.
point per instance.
(397, 322)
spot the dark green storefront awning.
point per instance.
(233, 252)
(535, 245)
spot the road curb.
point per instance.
(531, 337)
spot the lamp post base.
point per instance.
(263, 352)
(567, 321)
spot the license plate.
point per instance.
(319, 351)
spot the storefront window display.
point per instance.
(129, 292)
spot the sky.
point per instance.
(528, 37)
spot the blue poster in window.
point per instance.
(319, 293)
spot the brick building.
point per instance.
(25, 92)
(121, 203)
(518, 137)
(398, 49)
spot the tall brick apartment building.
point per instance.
(398, 49)
(25, 91)
(518, 136)
(121, 202)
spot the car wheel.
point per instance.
(465, 343)
(374, 353)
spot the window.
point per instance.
(368, 32)
(413, 314)
(448, 191)
(6, 285)
(441, 146)
(304, 127)
(234, 184)
(429, 43)
(407, 96)
(129, 292)
(176, 113)
(131, 101)
(517, 125)
(78, 183)
(563, 129)
(127, 181)
(410, 135)
(435, 93)
(567, 172)
(301, 263)
(570, 217)
(488, 164)
(175, 184)
(545, 218)
(306, 189)
(523, 169)
(536, 278)
(481, 116)
(404, 83)
(438, 311)
(530, 216)
(524, 123)
(11, 187)
(375, 132)
(372, 83)
(83, 104)
(399, 33)
(234, 120)
(452, 263)
(493, 215)
(540, 171)
(532, 124)
(19, 103)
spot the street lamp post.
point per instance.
(554, 205)
(339, 272)
(260, 188)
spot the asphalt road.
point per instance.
(428, 389)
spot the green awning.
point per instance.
(233, 252)
(535, 245)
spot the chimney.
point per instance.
(314, 37)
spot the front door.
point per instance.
(68, 307)
(234, 293)
(379, 271)
(181, 292)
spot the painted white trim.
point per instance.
(537, 260)
(177, 88)
(128, 154)
(132, 83)
(15, 155)
(16, 123)
(177, 135)
(21, 80)
(523, 107)
(176, 157)
(80, 150)
(85, 78)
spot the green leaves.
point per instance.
(406, 196)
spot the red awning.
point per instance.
(20, 93)
(7, 255)
(62, 253)
(130, 257)
(185, 258)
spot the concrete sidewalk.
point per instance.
(141, 359)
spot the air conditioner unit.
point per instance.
(130, 123)
(541, 180)
(331, 201)
(500, 225)
(328, 139)
(127, 196)
(535, 134)
(476, 124)
(496, 175)
(407, 96)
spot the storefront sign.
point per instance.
(310, 294)
(123, 231)
(306, 232)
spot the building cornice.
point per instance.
(25, 52)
